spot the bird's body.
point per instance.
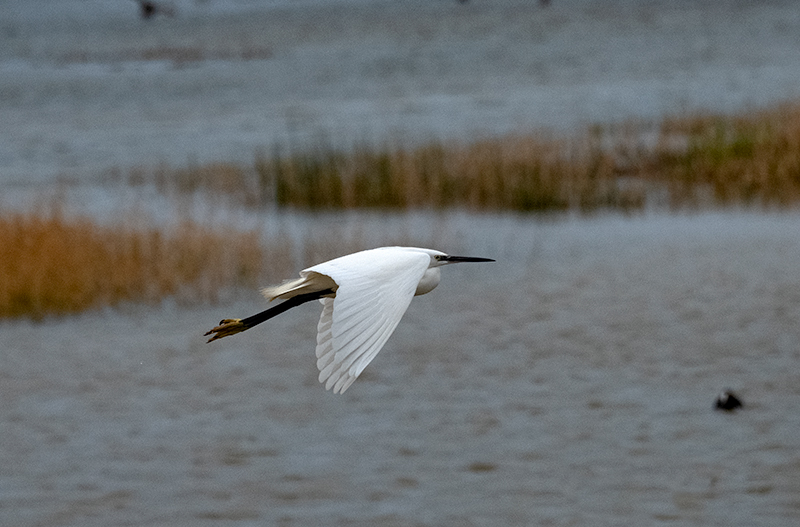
(148, 9)
(364, 295)
(728, 401)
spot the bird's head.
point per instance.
(431, 277)
(439, 258)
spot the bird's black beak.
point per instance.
(459, 259)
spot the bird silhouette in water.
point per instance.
(148, 9)
(728, 401)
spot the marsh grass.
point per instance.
(178, 55)
(699, 160)
(515, 173)
(54, 263)
(751, 159)
(51, 264)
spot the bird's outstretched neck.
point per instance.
(232, 326)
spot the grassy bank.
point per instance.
(52, 265)
(701, 160)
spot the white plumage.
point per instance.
(364, 295)
(375, 289)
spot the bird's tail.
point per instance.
(309, 282)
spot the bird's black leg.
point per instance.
(286, 305)
(232, 326)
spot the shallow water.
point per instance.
(570, 383)
(86, 86)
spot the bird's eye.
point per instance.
(437, 256)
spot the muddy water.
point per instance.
(570, 383)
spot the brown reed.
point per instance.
(514, 173)
(751, 159)
(178, 55)
(699, 160)
(53, 265)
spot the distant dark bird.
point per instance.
(148, 9)
(728, 401)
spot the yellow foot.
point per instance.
(228, 326)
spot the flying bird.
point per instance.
(363, 296)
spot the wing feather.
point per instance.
(355, 366)
(356, 349)
(375, 288)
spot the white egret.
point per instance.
(363, 296)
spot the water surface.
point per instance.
(572, 382)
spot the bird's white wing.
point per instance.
(375, 289)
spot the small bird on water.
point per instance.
(148, 9)
(364, 295)
(728, 401)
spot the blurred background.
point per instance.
(633, 167)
